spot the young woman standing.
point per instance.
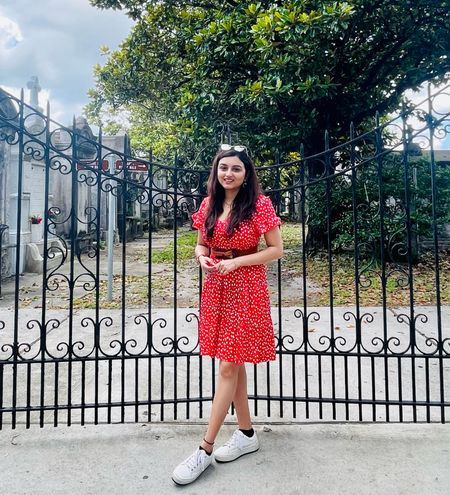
(235, 321)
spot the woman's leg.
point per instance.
(240, 400)
(244, 441)
(226, 390)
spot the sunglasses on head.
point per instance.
(228, 147)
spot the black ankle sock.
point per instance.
(201, 448)
(248, 433)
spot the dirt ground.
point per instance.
(169, 284)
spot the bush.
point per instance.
(389, 187)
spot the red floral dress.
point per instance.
(235, 320)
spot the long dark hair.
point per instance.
(244, 205)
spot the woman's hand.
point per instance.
(206, 263)
(226, 266)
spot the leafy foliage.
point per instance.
(279, 71)
(386, 183)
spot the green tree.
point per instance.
(281, 71)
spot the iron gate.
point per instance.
(373, 347)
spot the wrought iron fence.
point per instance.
(369, 346)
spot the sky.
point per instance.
(440, 108)
(59, 42)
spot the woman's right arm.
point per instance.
(202, 254)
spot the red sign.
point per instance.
(92, 165)
(132, 166)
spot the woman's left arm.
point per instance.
(273, 251)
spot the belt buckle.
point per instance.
(223, 254)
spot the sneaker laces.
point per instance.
(233, 441)
(193, 460)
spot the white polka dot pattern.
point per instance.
(235, 321)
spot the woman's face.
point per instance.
(230, 173)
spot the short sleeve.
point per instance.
(198, 218)
(265, 217)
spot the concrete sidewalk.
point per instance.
(308, 459)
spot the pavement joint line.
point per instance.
(48, 331)
(232, 423)
(421, 333)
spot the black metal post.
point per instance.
(3, 229)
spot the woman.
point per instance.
(235, 322)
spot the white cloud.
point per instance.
(60, 43)
(441, 102)
(440, 99)
(60, 111)
(10, 34)
(440, 108)
(14, 91)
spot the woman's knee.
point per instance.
(228, 370)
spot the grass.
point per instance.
(185, 249)
(186, 242)
(370, 286)
(397, 291)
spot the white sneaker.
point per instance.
(239, 444)
(192, 467)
